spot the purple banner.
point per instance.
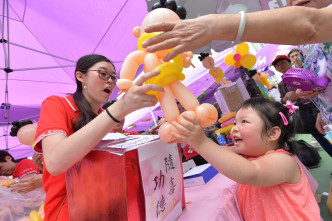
(266, 55)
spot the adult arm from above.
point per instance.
(294, 25)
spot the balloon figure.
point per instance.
(215, 72)
(241, 57)
(262, 79)
(25, 131)
(169, 77)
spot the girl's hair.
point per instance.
(269, 112)
(86, 113)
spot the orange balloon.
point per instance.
(165, 132)
(26, 134)
(210, 112)
(248, 60)
(237, 64)
(229, 59)
(242, 49)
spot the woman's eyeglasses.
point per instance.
(104, 75)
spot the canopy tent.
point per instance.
(42, 39)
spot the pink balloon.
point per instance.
(26, 134)
(237, 57)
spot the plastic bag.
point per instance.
(14, 206)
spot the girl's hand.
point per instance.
(183, 35)
(189, 130)
(136, 98)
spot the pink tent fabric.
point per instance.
(67, 30)
(42, 40)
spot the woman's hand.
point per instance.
(136, 98)
(27, 183)
(182, 36)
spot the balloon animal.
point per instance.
(241, 57)
(262, 78)
(169, 77)
(215, 72)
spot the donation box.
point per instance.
(130, 178)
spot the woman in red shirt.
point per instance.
(70, 127)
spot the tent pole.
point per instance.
(154, 119)
(41, 52)
(40, 68)
(2, 34)
(8, 65)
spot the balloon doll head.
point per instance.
(156, 16)
(25, 131)
(207, 60)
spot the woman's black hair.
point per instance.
(86, 113)
(269, 113)
(251, 73)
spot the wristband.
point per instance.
(111, 116)
(242, 25)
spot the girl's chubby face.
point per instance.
(247, 133)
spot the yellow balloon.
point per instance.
(229, 59)
(242, 49)
(248, 61)
(34, 216)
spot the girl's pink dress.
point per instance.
(281, 202)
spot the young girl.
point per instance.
(70, 127)
(271, 185)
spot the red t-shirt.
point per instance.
(57, 115)
(25, 167)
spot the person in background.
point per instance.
(307, 110)
(70, 127)
(295, 57)
(290, 25)
(26, 171)
(262, 135)
(37, 158)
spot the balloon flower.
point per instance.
(241, 57)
